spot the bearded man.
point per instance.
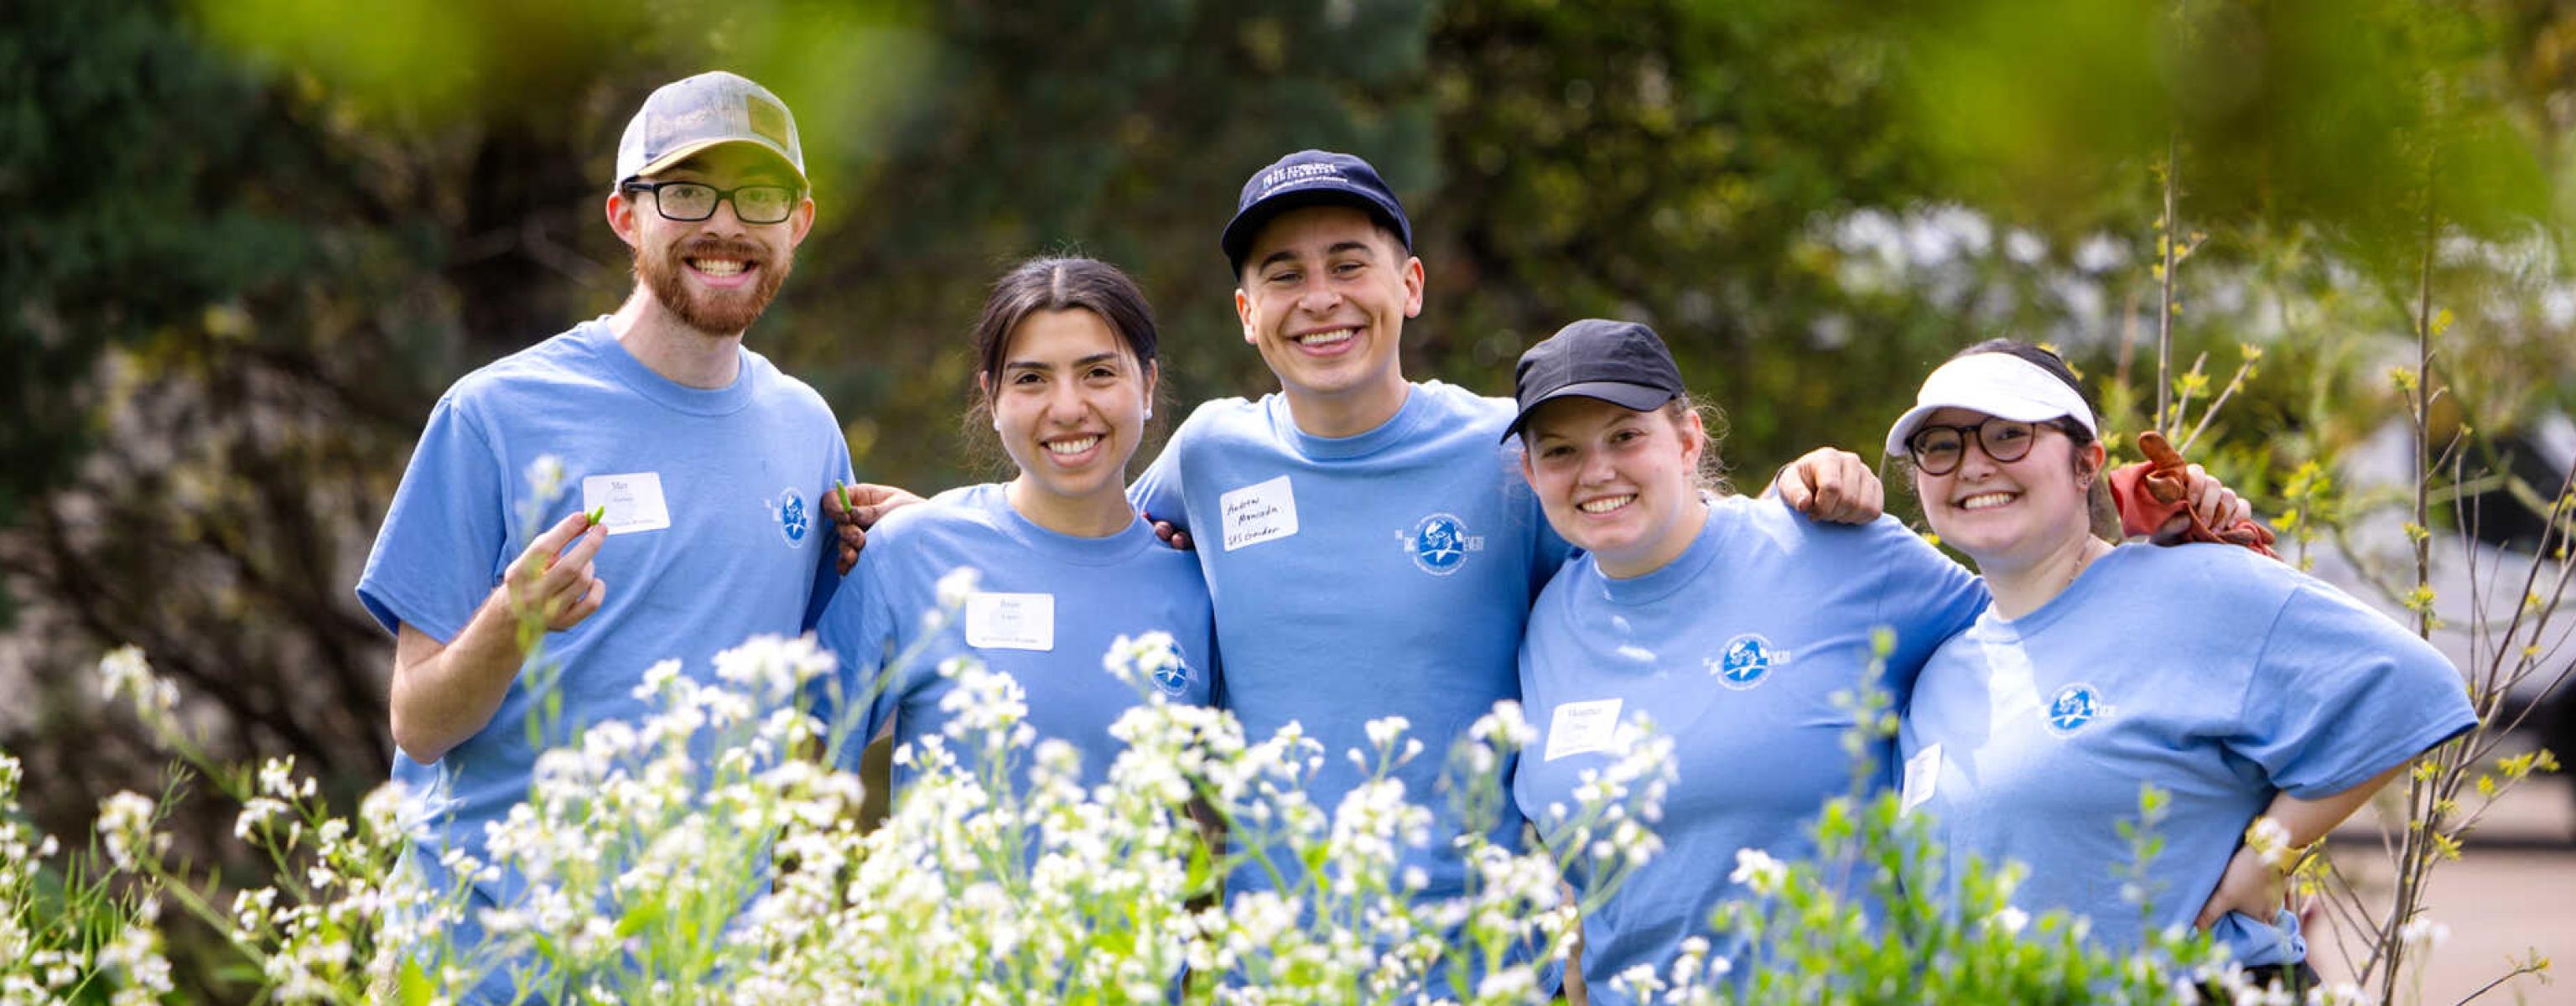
(668, 475)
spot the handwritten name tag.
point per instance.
(1259, 512)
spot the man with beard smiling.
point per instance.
(702, 462)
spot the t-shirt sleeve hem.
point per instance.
(393, 612)
(2413, 746)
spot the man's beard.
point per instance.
(724, 312)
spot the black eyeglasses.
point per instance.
(1937, 450)
(689, 202)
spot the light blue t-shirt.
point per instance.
(1354, 578)
(725, 543)
(2208, 671)
(1735, 650)
(1046, 609)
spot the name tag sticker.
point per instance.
(1011, 621)
(1922, 772)
(1582, 727)
(634, 502)
(1259, 512)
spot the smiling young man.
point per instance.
(702, 459)
(1370, 552)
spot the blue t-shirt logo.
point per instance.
(2074, 706)
(1174, 676)
(1440, 544)
(791, 516)
(1747, 661)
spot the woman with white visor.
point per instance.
(1731, 622)
(2237, 685)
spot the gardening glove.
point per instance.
(2153, 491)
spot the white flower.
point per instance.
(1756, 869)
(124, 674)
(1382, 732)
(125, 826)
(2011, 920)
(546, 477)
(2424, 934)
(956, 587)
(2270, 839)
(256, 812)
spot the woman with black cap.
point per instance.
(1731, 623)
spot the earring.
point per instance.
(1149, 410)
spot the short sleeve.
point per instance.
(2341, 694)
(1926, 598)
(446, 539)
(857, 627)
(1157, 493)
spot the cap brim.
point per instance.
(1246, 225)
(1632, 397)
(694, 147)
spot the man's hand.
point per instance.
(561, 585)
(2217, 505)
(1831, 485)
(2250, 886)
(854, 509)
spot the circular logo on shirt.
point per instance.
(2074, 706)
(1747, 661)
(792, 518)
(1173, 676)
(1440, 544)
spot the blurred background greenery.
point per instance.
(246, 244)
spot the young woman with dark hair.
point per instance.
(1063, 566)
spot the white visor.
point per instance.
(1997, 384)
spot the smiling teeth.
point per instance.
(1607, 505)
(1985, 501)
(717, 266)
(1327, 338)
(1072, 446)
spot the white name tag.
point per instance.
(1922, 772)
(1011, 621)
(634, 502)
(1259, 512)
(1582, 727)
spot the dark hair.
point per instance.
(2105, 513)
(1055, 283)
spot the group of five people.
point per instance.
(1359, 545)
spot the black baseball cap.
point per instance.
(1619, 362)
(1310, 178)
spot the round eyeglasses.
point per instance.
(689, 202)
(1937, 450)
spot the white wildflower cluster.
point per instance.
(711, 851)
(40, 958)
(125, 676)
(125, 828)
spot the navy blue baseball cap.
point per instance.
(1619, 362)
(1310, 178)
